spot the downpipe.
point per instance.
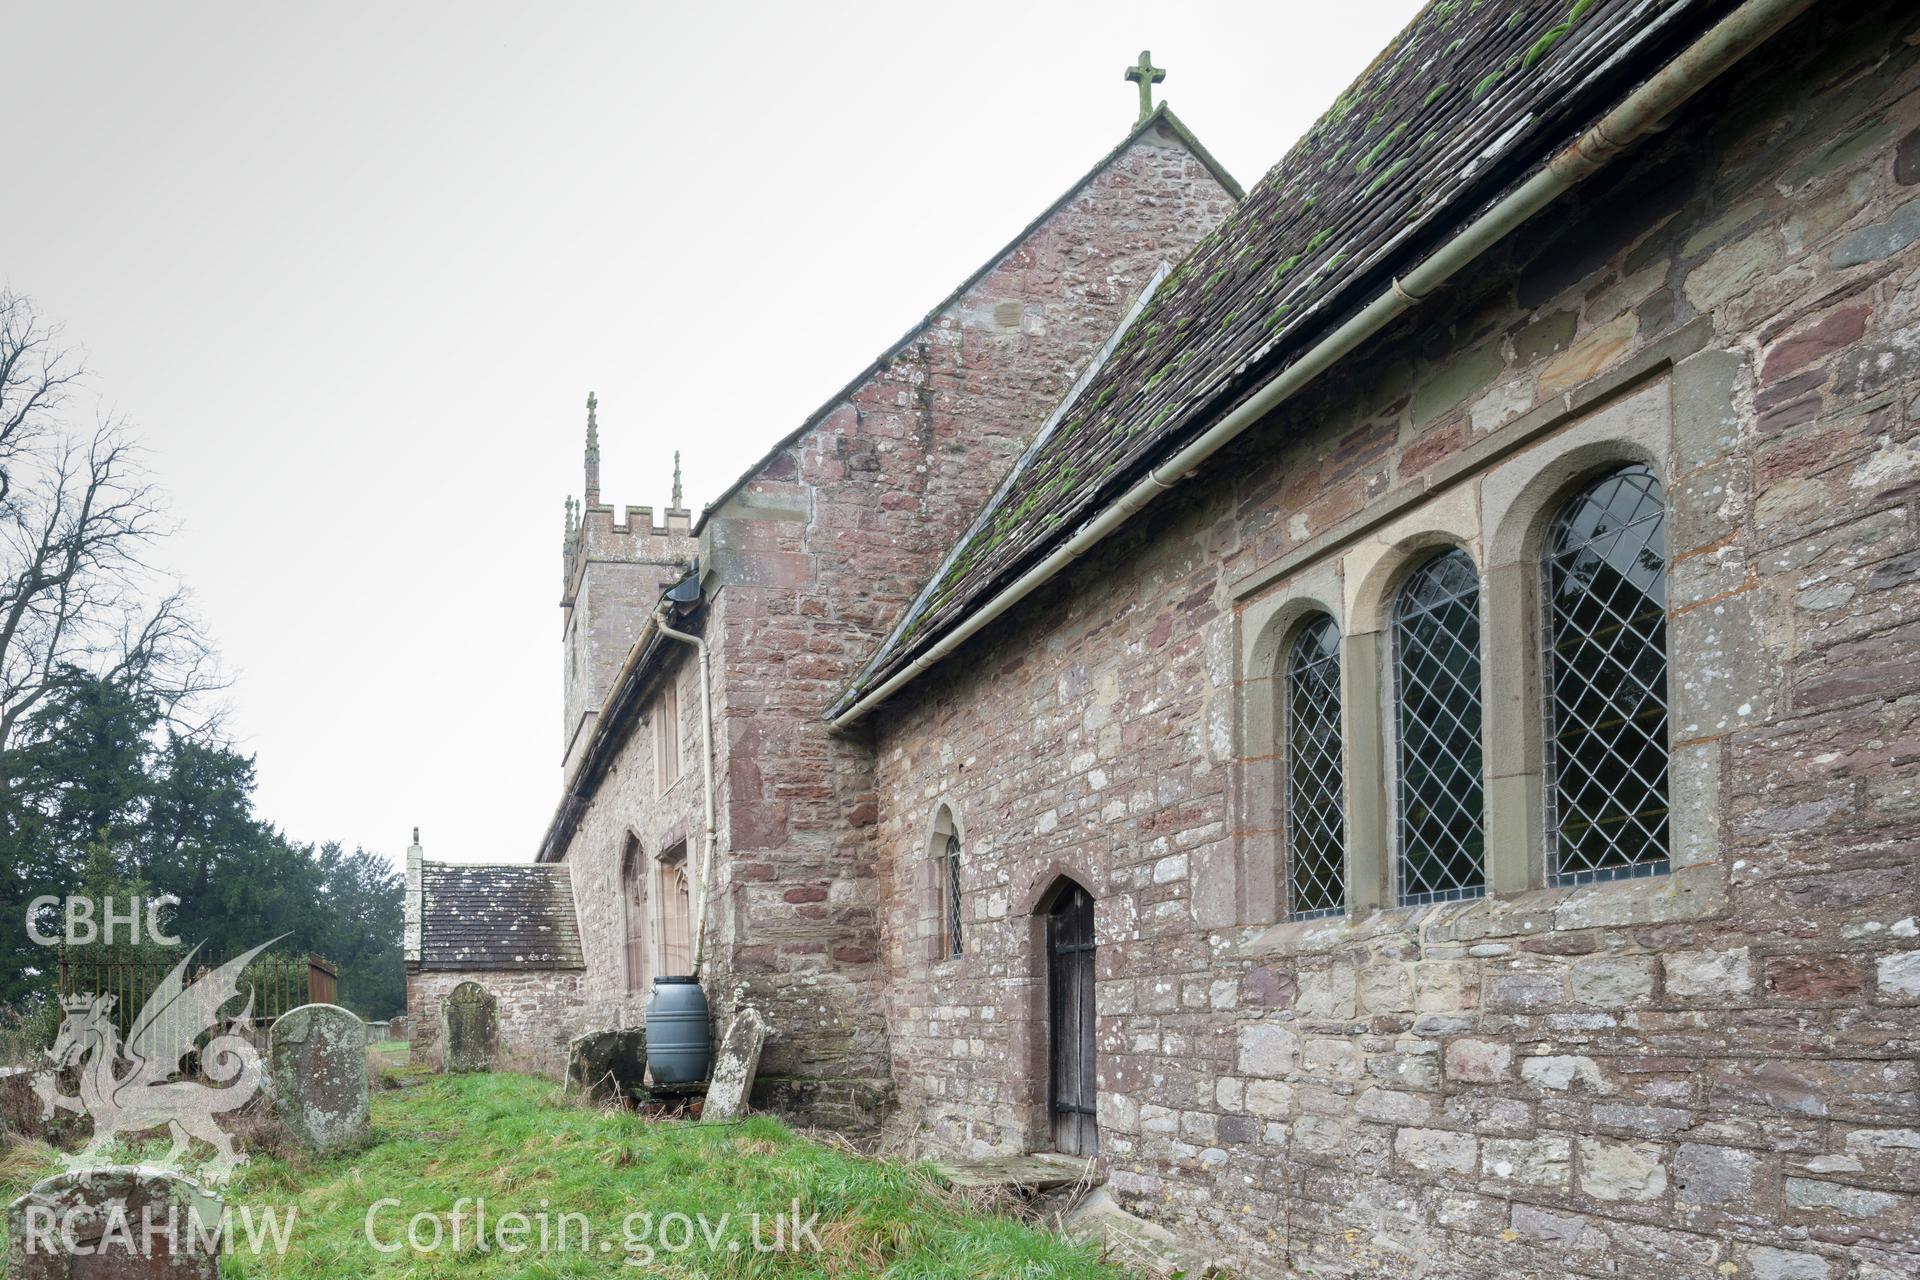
(703, 873)
(1637, 115)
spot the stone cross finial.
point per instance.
(676, 479)
(1146, 75)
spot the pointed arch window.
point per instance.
(1441, 816)
(1315, 783)
(633, 902)
(1605, 601)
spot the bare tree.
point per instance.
(78, 518)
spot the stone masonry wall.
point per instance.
(631, 804)
(613, 576)
(1706, 1074)
(816, 555)
(539, 1011)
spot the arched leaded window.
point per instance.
(1605, 571)
(1441, 805)
(1314, 803)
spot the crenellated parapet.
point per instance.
(634, 539)
(615, 563)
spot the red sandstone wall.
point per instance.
(630, 802)
(1705, 1075)
(538, 1013)
(812, 560)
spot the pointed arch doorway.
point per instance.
(1072, 1084)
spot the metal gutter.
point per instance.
(703, 874)
(1636, 115)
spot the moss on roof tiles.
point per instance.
(1492, 93)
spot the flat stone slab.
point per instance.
(1143, 1246)
(1042, 1172)
(607, 1064)
(734, 1068)
(128, 1222)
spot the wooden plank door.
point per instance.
(1070, 1017)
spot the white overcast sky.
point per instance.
(352, 269)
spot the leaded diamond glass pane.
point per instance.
(953, 895)
(1315, 792)
(1606, 628)
(1442, 823)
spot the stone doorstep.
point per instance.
(1042, 1171)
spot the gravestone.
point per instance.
(397, 1027)
(469, 1029)
(20, 1109)
(317, 1068)
(734, 1067)
(129, 1222)
(608, 1064)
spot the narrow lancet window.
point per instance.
(1441, 805)
(1315, 783)
(1605, 588)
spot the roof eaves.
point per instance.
(904, 628)
(1241, 373)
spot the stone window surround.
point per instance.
(1667, 409)
(932, 874)
(667, 736)
(667, 890)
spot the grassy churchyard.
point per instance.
(669, 1200)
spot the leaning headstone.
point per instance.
(734, 1067)
(608, 1064)
(129, 1222)
(469, 1029)
(317, 1066)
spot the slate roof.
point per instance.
(498, 916)
(1458, 110)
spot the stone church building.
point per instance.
(1384, 708)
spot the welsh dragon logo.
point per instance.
(132, 1088)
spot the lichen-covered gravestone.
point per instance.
(608, 1064)
(317, 1066)
(734, 1068)
(129, 1222)
(469, 1029)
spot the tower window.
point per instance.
(667, 734)
(1441, 801)
(1314, 803)
(1605, 586)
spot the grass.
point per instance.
(514, 1142)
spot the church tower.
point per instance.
(612, 577)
